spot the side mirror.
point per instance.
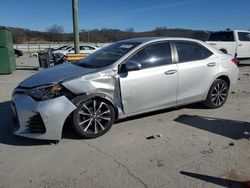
(133, 65)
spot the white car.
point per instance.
(236, 42)
(124, 79)
(84, 49)
(63, 50)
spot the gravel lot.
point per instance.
(197, 147)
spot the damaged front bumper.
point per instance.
(40, 119)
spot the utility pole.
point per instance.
(88, 35)
(75, 25)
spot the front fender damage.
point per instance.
(98, 85)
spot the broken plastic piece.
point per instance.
(154, 137)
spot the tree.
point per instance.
(18, 35)
(55, 33)
(55, 29)
(200, 35)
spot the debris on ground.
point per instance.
(154, 137)
(205, 152)
(159, 163)
(231, 144)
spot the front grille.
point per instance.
(35, 124)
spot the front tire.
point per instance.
(217, 94)
(93, 118)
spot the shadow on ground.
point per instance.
(147, 114)
(198, 105)
(229, 128)
(218, 181)
(6, 135)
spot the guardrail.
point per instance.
(38, 47)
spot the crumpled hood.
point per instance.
(54, 75)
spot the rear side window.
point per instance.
(244, 36)
(154, 55)
(191, 51)
(227, 36)
(86, 48)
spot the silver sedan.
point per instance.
(123, 79)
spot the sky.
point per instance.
(142, 15)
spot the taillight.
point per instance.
(235, 61)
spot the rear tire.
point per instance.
(93, 118)
(217, 94)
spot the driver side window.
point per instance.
(154, 55)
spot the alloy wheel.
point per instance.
(94, 116)
(219, 94)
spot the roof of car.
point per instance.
(151, 39)
(230, 31)
(157, 39)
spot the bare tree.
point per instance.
(56, 32)
(18, 35)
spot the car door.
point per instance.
(197, 67)
(154, 85)
(243, 48)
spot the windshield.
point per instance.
(107, 55)
(64, 47)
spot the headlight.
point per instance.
(46, 92)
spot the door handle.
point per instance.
(170, 72)
(240, 45)
(211, 64)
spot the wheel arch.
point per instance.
(104, 97)
(224, 76)
(216, 100)
(85, 97)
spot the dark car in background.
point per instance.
(18, 53)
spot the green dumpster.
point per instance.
(7, 55)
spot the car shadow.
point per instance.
(229, 128)
(6, 135)
(68, 131)
(157, 112)
(218, 181)
(198, 105)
